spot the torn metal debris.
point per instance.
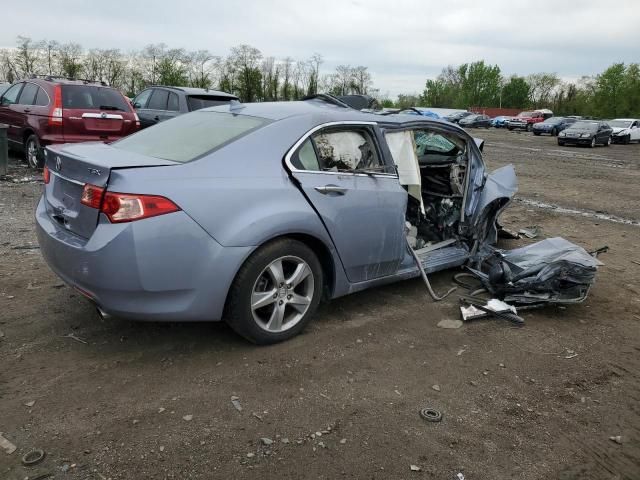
(550, 271)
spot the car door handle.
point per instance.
(331, 189)
(156, 118)
(27, 110)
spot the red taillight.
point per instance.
(55, 115)
(125, 207)
(92, 195)
(46, 174)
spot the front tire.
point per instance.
(593, 143)
(560, 143)
(608, 142)
(275, 293)
(32, 151)
(626, 140)
(554, 132)
(529, 127)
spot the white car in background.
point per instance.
(625, 130)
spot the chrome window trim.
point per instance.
(59, 175)
(107, 116)
(302, 139)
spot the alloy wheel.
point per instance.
(282, 294)
(593, 142)
(32, 154)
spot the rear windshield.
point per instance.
(90, 97)
(190, 136)
(197, 102)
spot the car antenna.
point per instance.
(235, 105)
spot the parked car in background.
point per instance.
(424, 112)
(475, 121)
(253, 212)
(4, 87)
(625, 130)
(457, 116)
(553, 126)
(50, 110)
(586, 132)
(500, 122)
(526, 120)
(159, 103)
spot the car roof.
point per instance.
(319, 111)
(197, 91)
(623, 120)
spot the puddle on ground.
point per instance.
(575, 211)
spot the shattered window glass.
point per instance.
(342, 151)
(432, 141)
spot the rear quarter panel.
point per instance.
(240, 194)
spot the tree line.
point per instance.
(245, 71)
(613, 93)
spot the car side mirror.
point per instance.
(136, 105)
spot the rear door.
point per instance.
(96, 113)
(157, 107)
(345, 176)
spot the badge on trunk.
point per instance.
(58, 164)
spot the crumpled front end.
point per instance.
(550, 271)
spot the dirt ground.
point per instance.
(127, 400)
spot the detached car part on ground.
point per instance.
(253, 212)
(550, 271)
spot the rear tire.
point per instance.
(268, 302)
(554, 132)
(626, 140)
(32, 152)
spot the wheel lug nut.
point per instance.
(289, 297)
(288, 285)
(281, 302)
(275, 295)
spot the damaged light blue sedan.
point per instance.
(252, 213)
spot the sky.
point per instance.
(402, 42)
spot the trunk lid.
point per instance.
(97, 112)
(74, 166)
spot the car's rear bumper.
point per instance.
(56, 139)
(165, 268)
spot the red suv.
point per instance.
(48, 110)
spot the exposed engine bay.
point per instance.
(435, 216)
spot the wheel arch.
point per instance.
(26, 134)
(319, 247)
